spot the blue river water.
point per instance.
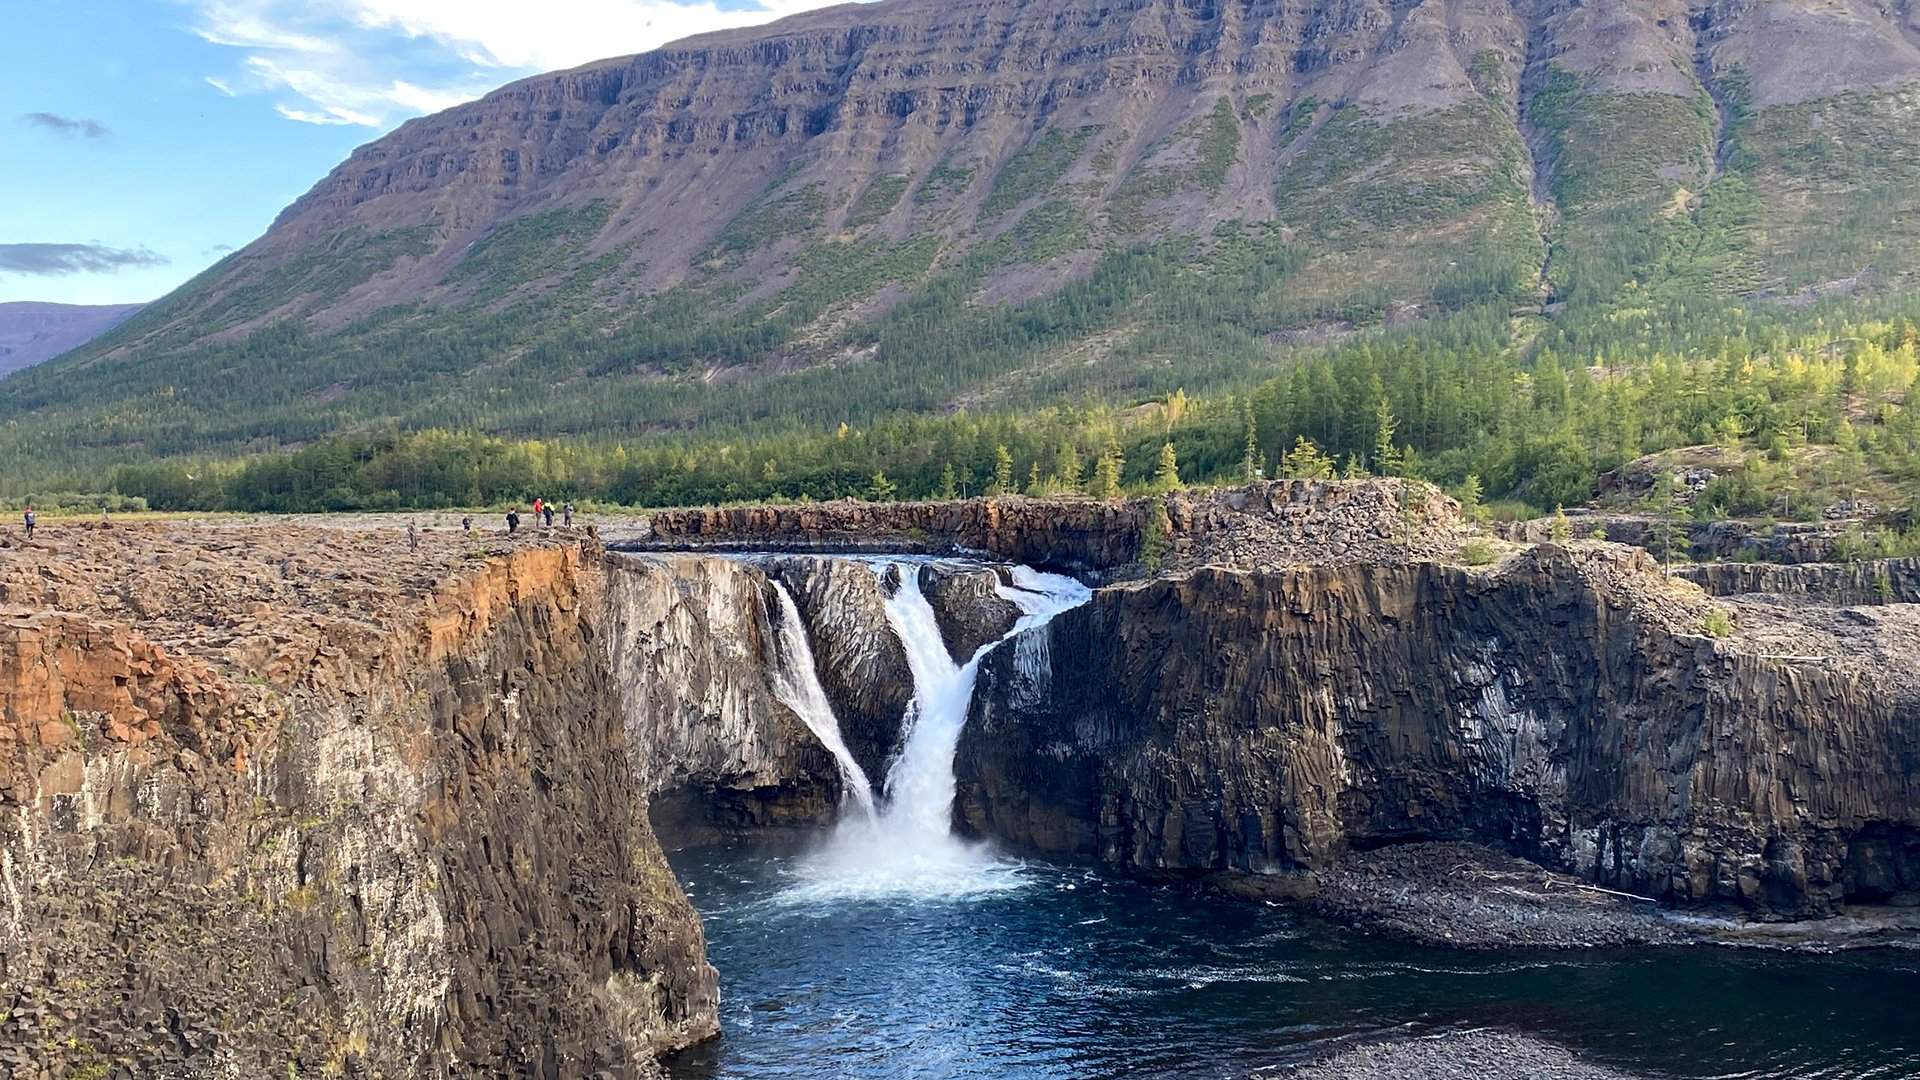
(1045, 971)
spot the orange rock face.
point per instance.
(299, 794)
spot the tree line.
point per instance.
(1537, 432)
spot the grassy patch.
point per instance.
(882, 194)
(796, 213)
(529, 248)
(322, 273)
(1037, 168)
(943, 182)
(1209, 147)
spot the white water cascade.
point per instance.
(797, 685)
(908, 849)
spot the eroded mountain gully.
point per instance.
(292, 801)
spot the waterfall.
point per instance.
(908, 849)
(797, 685)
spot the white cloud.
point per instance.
(421, 99)
(251, 24)
(331, 116)
(373, 62)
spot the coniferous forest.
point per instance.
(1805, 414)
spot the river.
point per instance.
(1066, 971)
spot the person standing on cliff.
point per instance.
(537, 505)
(466, 523)
(513, 520)
(566, 515)
(413, 537)
(30, 522)
(547, 512)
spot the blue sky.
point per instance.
(140, 140)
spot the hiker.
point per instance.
(566, 515)
(513, 520)
(548, 510)
(466, 523)
(537, 505)
(30, 522)
(413, 537)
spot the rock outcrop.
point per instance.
(714, 749)
(295, 801)
(969, 608)
(689, 648)
(1564, 705)
(1278, 523)
(1874, 581)
(860, 661)
(1683, 539)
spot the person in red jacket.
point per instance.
(536, 509)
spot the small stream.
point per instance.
(1064, 971)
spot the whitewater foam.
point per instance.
(797, 684)
(907, 849)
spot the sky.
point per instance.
(142, 140)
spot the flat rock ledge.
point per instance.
(1472, 897)
(1468, 896)
(1467, 1055)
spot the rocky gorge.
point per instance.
(294, 799)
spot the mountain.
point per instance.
(918, 205)
(32, 332)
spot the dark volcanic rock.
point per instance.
(1562, 706)
(859, 659)
(970, 612)
(1468, 896)
(1279, 523)
(1875, 581)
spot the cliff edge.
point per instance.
(287, 800)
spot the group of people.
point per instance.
(543, 512)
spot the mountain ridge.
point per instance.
(910, 206)
(33, 331)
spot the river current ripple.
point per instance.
(1066, 971)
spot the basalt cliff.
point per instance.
(295, 799)
(1566, 705)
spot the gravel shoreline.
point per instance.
(1467, 896)
(1467, 1055)
(1473, 897)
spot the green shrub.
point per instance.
(1716, 623)
(1478, 552)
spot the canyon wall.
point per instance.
(301, 800)
(298, 803)
(1564, 705)
(714, 751)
